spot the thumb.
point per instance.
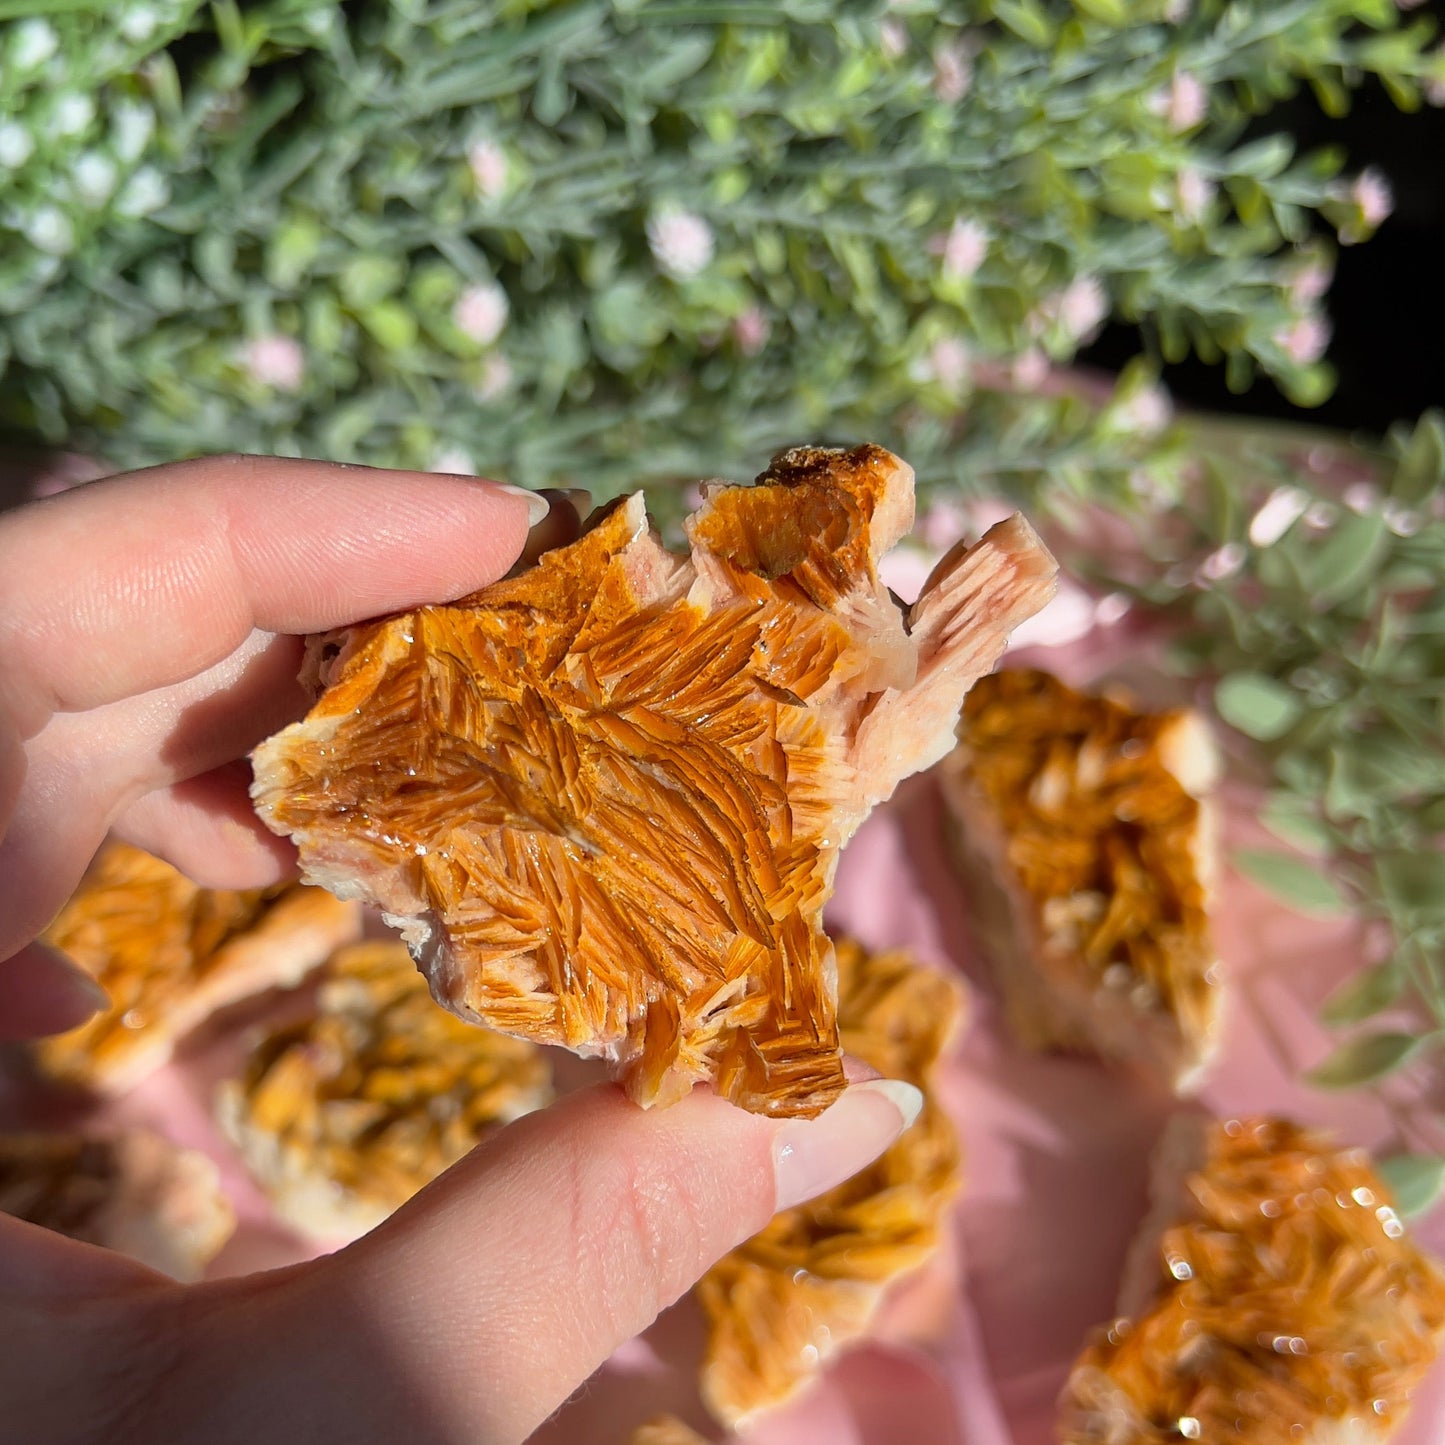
(477, 1309)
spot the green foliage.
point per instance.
(1257, 705)
(1302, 885)
(1370, 992)
(1365, 1059)
(1306, 578)
(716, 227)
(1415, 1180)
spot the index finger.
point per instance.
(140, 581)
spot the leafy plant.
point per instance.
(1307, 577)
(606, 241)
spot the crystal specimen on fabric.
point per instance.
(170, 954)
(807, 1285)
(604, 799)
(1085, 837)
(344, 1115)
(134, 1192)
(1281, 1300)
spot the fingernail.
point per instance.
(538, 505)
(71, 982)
(811, 1156)
(85, 985)
(577, 499)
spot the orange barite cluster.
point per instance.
(133, 1192)
(1086, 851)
(604, 799)
(1288, 1301)
(343, 1116)
(808, 1284)
(169, 954)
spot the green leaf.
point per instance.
(1413, 884)
(1370, 991)
(1364, 1059)
(1222, 498)
(1027, 19)
(370, 279)
(1348, 558)
(1293, 820)
(1111, 12)
(1421, 468)
(1305, 886)
(393, 326)
(291, 250)
(1261, 707)
(1262, 159)
(1415, 1181)
(1379, 13)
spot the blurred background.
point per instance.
(683, 235)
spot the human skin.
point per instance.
(150, 635)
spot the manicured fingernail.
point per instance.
(538, 504)
(72, 984)
(83, 984)
(811, 1156)
(577, 499)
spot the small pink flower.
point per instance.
(1304, 341)
(963, 249)
(1320, 516)
(1401, 520)
(1281, 510)
(1310, 282)
(495, 380)
(1146, 413)
(490, 168)
(481, 312)
(1183, 103)
(1434, 86)
(275, 360)
(1361, 497)
(949, 363)
(682, 243)
(1224, 562)
(751, 331)
(1079, 308)
(1372, 194)
(1145, 486)
(1112, 608)
(1029, 370)
(455, 462)
(893, 38)
(1176, 12)
(1195, 194)
(952, 71)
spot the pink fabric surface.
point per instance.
(975, 1349)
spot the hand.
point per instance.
(148, 639)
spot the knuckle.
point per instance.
(652, 1236)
